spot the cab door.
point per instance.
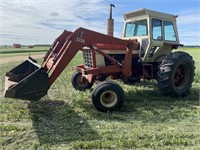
(156, 38)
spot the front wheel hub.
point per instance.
(180, 76)
(108, 98)
(82, 81)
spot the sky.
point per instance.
(41, 21)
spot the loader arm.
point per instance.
(61, 57)
(31, 81)
(57, 44)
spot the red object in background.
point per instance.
(17, 45)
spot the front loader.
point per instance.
(144, 52)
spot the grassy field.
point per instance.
(66, 118)
(7, 51)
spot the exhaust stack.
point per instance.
(110, 22)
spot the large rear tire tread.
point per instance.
(169, 73)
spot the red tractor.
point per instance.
(144, 52)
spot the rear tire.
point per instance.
(108, 96)
(79, 82)
(176, 74)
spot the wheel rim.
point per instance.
(108, 98)
(180, 76)
(81, 81)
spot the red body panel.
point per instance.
(68, 44)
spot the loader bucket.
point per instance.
(26, 81)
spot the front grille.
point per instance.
(87, 55)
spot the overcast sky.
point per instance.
(41, 21)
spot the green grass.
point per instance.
(66, 118)
(24, 50)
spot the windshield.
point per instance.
(137, 28)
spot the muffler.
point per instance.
(26, 81)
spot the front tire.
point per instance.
(108, 96)
(79, 82)
(176, 74)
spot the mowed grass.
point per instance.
(66, 118)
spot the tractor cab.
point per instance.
(155, 31)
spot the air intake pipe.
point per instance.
(110, 22)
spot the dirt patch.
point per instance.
(12, 59)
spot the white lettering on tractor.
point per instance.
(80, 40)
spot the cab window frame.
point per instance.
(136, 28)
(160, 30)
(164, 32)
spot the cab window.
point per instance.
(169, 31)
(137, 28)
(157, 29)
